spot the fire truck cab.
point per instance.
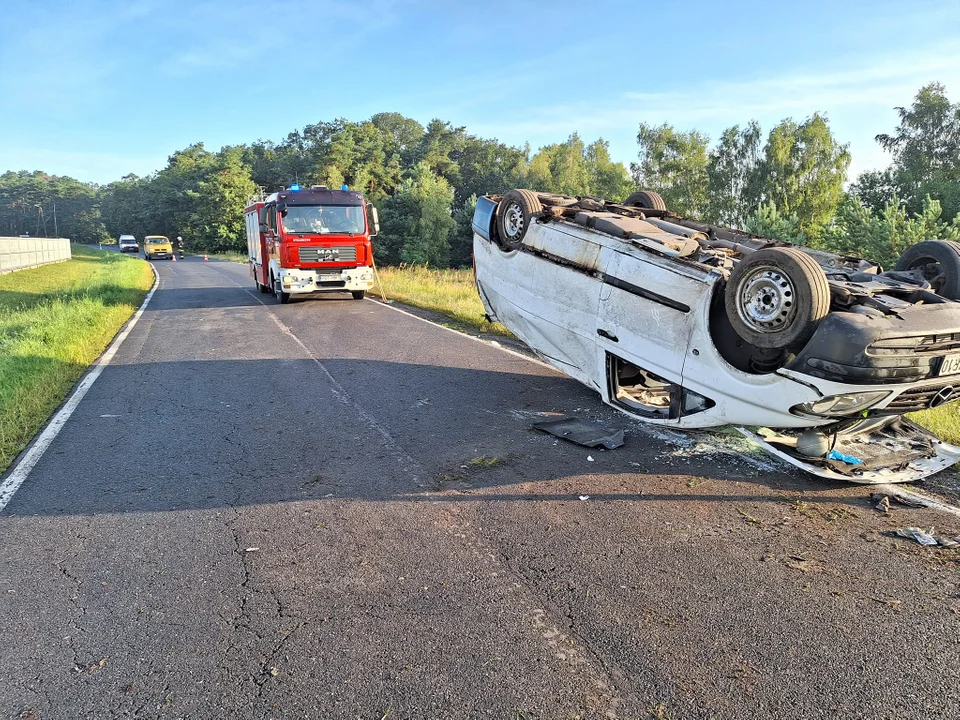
(313, 240)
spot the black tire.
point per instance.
(940, 262)
(358, 294)
(146, 256)
(646, 199)
(776, 297)
(554, 200)
(262, 288)
(514, 215)
(283, 297)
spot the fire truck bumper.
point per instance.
(332, 280)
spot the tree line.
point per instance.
(425, 180)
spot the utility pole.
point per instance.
(56, 233)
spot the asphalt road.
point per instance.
(266, 511)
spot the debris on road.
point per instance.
(848, 459)
(584, 497)
(924, 537)
(583, 432)
(881, 501)
(252, 549)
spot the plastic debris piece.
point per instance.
(252, 549)
(883, 504)
(583, 432)
(910, 502)
(584, 497)
(848, 459)
(589, 458)
(924, 537)
(951, 543)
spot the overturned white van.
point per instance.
(679, 323)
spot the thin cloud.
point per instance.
(859, 103)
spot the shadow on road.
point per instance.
(211, 434)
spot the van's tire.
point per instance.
(358, 294)
(514, 214)
(646, 199)
(940, 262)
(555, 200)
(776, 297)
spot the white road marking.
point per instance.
(22, 469)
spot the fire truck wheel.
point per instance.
(358, 294)
(279, 294)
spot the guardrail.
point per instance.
(22, 253)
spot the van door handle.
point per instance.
(606, 334)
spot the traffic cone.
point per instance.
(173, 257)
(206, 259)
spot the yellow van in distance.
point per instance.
(157, 246)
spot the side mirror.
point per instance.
(263, 227)
(376, 222)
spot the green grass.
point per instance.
(944, 422)
(54, 321)
(450, 292)
(235, 257)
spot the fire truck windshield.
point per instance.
(323, 219)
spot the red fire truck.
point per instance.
(312, 240)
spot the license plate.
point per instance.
(336, 276)
(949, 364)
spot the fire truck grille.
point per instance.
(336, 254)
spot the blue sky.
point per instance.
(100, 89)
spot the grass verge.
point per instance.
(234, 257)
(944, 422)
(450, 292)
(54, 321)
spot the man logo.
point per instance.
(941, 397)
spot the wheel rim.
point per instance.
(766, 301)
(513, 221)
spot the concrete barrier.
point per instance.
(21, 253)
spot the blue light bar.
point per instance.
(345, 188)
(294, 187)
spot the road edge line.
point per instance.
(21, 469)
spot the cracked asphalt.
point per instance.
(331, 509)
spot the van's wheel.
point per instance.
(776, 297)
(358, 294)
(556, 200)
(940, 262)
(514, 215)
(283, 297)
(646, 199)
